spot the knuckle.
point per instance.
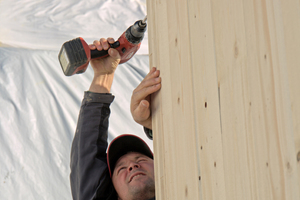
(110, 39)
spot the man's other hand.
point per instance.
(140, 99)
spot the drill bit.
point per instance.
(142, 23)
(144, 20)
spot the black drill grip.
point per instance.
(98, 54)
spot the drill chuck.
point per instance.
(135, 33)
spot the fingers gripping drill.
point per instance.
(74, 55)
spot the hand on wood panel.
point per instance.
(140, 99)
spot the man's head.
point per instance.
(130, 163)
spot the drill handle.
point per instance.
(95, 54)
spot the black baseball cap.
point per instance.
(124, 144)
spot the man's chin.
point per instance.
(142, 188)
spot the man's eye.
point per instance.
(121, 169)
(142, 160)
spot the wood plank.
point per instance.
(155, 23)
(229, 32)
(206, 100)
(176, 141)
(256, 130)
(291, 24)
(271, 57)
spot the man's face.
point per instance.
(133, 177)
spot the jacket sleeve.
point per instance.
(89, 173)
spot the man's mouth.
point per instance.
(135, 175)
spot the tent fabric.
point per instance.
(39, 104)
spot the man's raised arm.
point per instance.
(89, 173)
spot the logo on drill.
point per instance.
(129, 55)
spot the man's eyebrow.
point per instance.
(140, 156)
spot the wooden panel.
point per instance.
(254, 97)
(291, 24)
(226, 121)
(206, 100)
(176, 144)
(156, 52)
(230, 51)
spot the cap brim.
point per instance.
(123, 144)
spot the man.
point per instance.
(126, 172)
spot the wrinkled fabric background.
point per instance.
(39, 104)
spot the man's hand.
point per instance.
(140, 99)
(104, 68)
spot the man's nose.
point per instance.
(133, 165)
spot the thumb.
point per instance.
(142, 110)
(114, 54)
(144, 104)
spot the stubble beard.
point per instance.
(145, 193)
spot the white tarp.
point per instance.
(39, 105)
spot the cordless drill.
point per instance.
(74, 55)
